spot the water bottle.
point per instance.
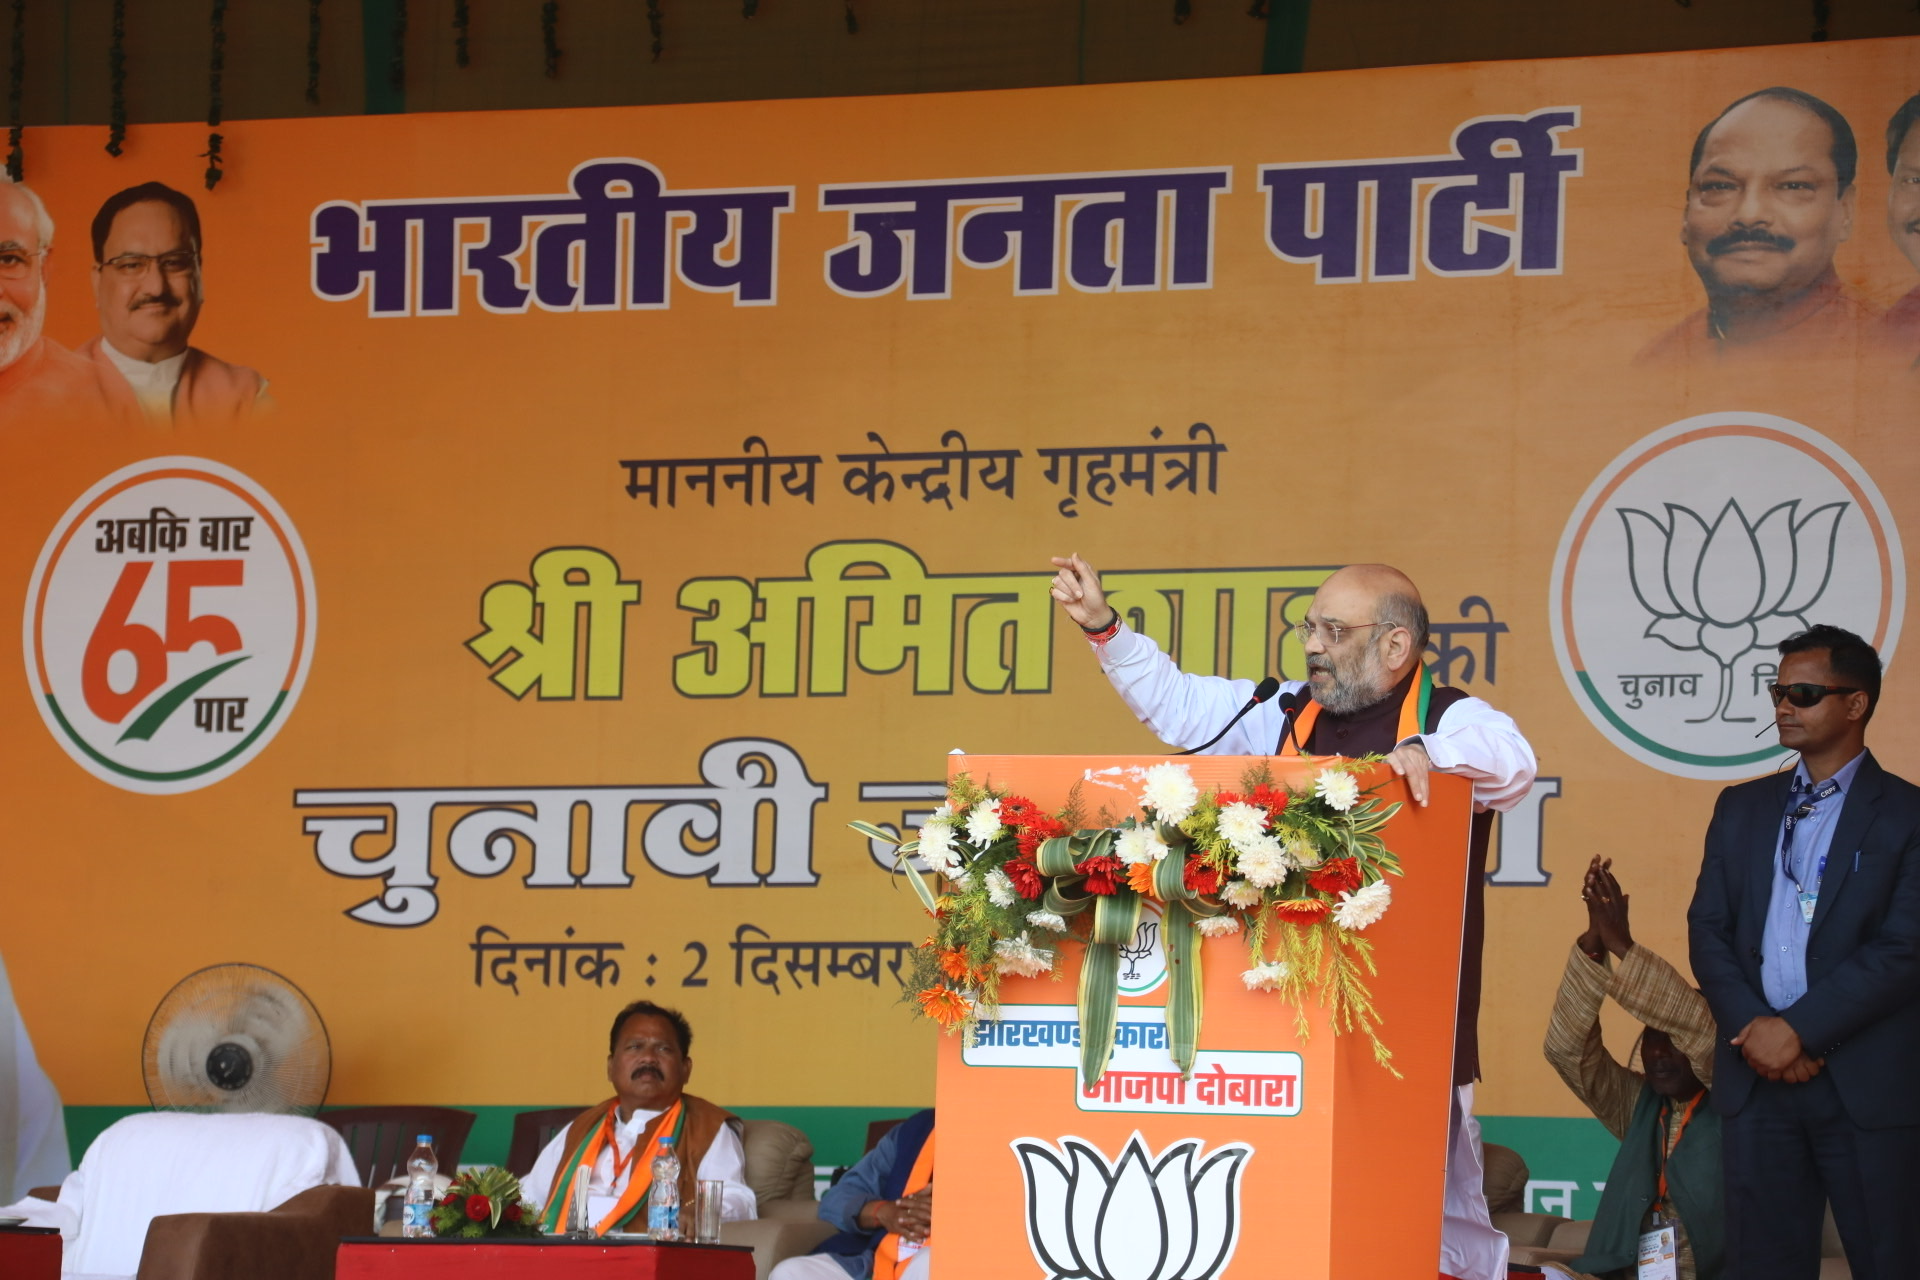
(663, 1198)
(421, 1168)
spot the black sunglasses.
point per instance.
(1804, 695)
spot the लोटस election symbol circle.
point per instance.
(1690, 557)
(1143, 957)
(169, 625)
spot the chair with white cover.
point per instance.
(156, 1164)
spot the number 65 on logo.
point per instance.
(170, 625)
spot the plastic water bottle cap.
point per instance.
(425, 1140)
(667, 1141)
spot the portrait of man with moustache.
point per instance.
(1770, 197)
(37, 375)
(148, 288)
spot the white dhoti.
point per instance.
(818, 1266)
(33, 1126)
(1470, 1248)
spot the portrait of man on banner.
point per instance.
(37, 374)
(1770, 197)
(147, 285)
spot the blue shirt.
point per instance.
(1783, 946)
(844, 1200)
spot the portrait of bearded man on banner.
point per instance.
(1770, 197)
(147, 285)
(37, 374)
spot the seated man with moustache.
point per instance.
(1667, 1177)
(610, 1147)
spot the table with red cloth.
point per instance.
(384, 1258)
(29, 1253)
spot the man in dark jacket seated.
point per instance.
(884, 1209)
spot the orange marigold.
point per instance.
(1140, 879)
(953, 963)
(944, 1005)
(1302, 911)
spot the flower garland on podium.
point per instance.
(1300, 873)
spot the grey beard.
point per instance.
(1344, 697)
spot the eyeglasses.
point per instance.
(1805, 695)
(180, 262)
(15, 263)
(1329, 633)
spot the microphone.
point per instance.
(1261, 692)
(1290, 705)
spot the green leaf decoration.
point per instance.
(1099, 1000)
(1057, 856)
(1170, 878)
(157, 712)
(1186, 996)
(872, 832)
(1116, 916)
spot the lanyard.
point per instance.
(1794, 817)
(1660, 1139)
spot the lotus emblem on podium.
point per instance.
(1174, 1216)
(1729, 588)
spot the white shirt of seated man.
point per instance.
(648, 1071)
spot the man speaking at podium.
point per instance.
(1364, 636)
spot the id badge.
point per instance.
(1660, 1252)
(1808, 902)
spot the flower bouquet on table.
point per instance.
(481, 1203)
(1301, 874)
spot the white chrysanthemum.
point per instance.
(983, 824)
(1265, 864)
(1217, 926)
(1000, 889)
(1140, 844)
(1338, 789)
(937, 849)
(1265, 976)
(962, 879)
(1239, 893)
(1047, 920)
(1360, 908)
(1020, 957)
(1169, 792)
(1301, 852)
(1241, 824)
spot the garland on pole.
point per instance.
(656, 28)
(1821, 12)
(1182, 10)
(397, 60)
(550, 36)
(1258, 9)
(117, 80)
(749, 7)
(16, 81)
(216, 67)
(313, 52)
(462, 26)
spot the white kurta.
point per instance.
(33, 1125)
(1472, 740)
(152, 382)
(725, 1161)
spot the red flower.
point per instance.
(452, 1198)
(1031, 834)
(1272, 799)
(1336, 875)
(1104, 874)
(1202, 876)
(1302, 911)
(1027, 880)
(1222, 799)
(479, 1207)
(512, 1214)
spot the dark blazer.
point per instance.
(1862, 1008)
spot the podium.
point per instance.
(1281, 1156)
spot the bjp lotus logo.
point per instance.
(1171, 1216)
(1731, 587)
(1691, 556)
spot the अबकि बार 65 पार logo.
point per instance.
(169, 625)
(1689, 558)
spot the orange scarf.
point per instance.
(887, 1262)
(581, 1166)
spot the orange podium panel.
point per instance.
(1282, 1155)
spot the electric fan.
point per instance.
(236, 1037)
